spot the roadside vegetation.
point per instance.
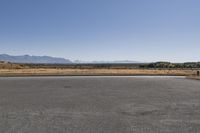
(158, 68)
(171, 65)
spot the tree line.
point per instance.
(171, 65)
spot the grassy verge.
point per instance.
(82, 72)
(194, 77)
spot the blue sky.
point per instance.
(140, 30)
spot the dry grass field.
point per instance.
(5, 65)
(71, 71)
(10, 69)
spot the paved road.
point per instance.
(99, 105)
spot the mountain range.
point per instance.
(52, 60)
(33, 59)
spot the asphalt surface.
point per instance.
(99, 105)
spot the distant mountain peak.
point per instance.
(54, 60)
(33, 59)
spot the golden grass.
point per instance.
(71, 71)
(9, 66)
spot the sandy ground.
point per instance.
(194, 77)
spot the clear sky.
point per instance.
(139, 30)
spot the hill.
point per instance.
(33, 59)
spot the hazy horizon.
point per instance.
(97, 61)
(106, 30)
